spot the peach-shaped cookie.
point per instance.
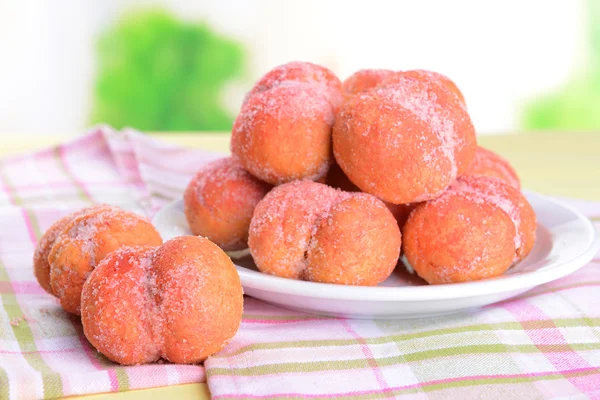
(406, 142)
(41, 267)
(84, 241)
(307, 230)
(510, 200)
(446, 92)
(443, 80)
(365, 79)
(488, 163)
(284, 134)
(301, 72)
(445, 89)
(475, 230)
(355, 243)
(182, 302)
(219, 202)
(458, 238)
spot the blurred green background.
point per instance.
(158, 73)
(576, 105)
(184, 65)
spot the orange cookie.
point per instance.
(301, 72)
(284, 134)
(457, 238)
(406, 142)
(182, 302)
(84, 241)
(365, 79)
(443, 79)
(510, 200)
(475, 230)
(219, 202)
(488, 163)
(445, 89)
(41, 267)
(307, 230)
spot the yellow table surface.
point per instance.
(555, 163)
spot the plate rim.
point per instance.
(417, 293)
(270, 283)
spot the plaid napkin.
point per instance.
(543, 344)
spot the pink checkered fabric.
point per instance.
(543, 344)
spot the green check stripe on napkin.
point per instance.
(543, 344)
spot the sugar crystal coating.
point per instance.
(365, 79)
(301, 72)
(181, 301)
(488, 163)
(219, 202)
(442, 79)
(405, 142)
(121, 307)
(284, 222)
(456, 238)
(477, 229)
(284, 134)
(292, 218)
(356, 242)
(42, 250)
(85, 241)
(508, 199)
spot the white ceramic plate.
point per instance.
(566, 241)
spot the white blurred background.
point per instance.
(500, 53)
